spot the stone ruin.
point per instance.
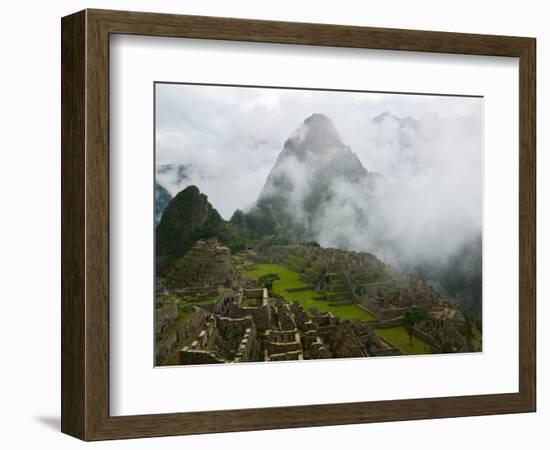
(222, 339)
(345, 277)
(165, 315)
(277, 330)
(207, 264)
(240, 322)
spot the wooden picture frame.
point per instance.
(85, 224)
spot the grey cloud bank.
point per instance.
(427, 149)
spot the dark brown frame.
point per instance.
(85, 224)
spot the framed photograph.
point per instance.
(273, 225)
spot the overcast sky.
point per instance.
(231, 137)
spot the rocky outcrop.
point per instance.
(185, 215)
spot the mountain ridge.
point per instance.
(302, 181)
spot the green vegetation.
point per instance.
(261, 221)
(410, 319)
(288, 279)
(267, 281)
(183, 314)
(298, 262)
(399, 337)
(311, 244)
(187, 218)
(279, 239)
(237, 259)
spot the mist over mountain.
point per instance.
(306, 179)
(162, 198)
(173, 177)
(419, 214)
(312, 158)
(319, 190)
(169, 180)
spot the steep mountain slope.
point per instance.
(186, 213)
(189, 217)
(311, 167)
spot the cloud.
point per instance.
(426, 148)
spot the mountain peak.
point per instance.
(316, 136)
(190, 190)
(317, 145)
(403, 122)
(313, 161)
(186, 213)
(318, 119)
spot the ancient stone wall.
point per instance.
(189, 357)
(231, 332)
(262, 316)
(390, 323)
(285, 317)
(289, 356)
(248, 347)
(206, 335)
(426, 337)
(282, 347)
(188, 328)
(378, 311)
(165, 315)
(318, 351)
(301, 317)
(253, 293)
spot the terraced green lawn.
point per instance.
(399, 337)
(291, 279)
